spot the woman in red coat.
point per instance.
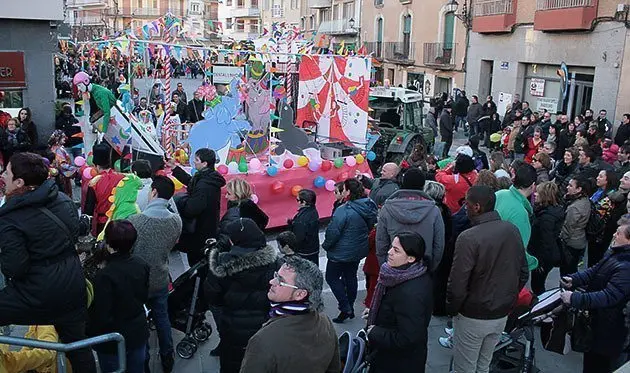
(371, 268)
(457, 178)
(534, 145)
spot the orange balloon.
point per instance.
(295, 190)
(277, 187)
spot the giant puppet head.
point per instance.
(82, 81)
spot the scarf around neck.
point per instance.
(388, 278)
(288, 309)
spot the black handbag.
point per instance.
(582, 331)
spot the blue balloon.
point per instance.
(319, 182)
(272, 170)
(371, 156)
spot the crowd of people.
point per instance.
(436, 235)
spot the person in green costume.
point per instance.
(103, 97)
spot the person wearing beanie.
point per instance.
(457, 178)
(411, 210)
(238, 282)
(99, 188)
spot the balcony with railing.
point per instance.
(145, 12)
(338, 27)
(440, 55)
(319, 4)
(396, 52)
(85, 4)
(88, 21)
(562, 15)
(493, 16)
(245, 10)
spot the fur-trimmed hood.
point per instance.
(240, 259)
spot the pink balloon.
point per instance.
(87, 173)
(330, 185)
(351, 161)
(254, 198)
(223, 169)
(254, 164)
(79, 161)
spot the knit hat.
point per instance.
(101, 155)
(244, 232)
(413, 179)
(464, 149)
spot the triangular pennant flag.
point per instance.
(276, 129)
(274, 117)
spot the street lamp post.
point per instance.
(465, 15)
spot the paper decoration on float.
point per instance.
(333, 93)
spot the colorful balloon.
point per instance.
(351, 161)
(288, 163)
(302, 161)
(277, 187)
(79, 161)
(233, 167)
(343, 176)
(242, 167)
(371, 156)
(330, 185)
(295, 190)
(87, 173)
(223, 169)
(326, 165)
(313, 165)
(254, 164)
(272, 170)
(117, 165)
(359, 158)
(339, 162)
(319, 182)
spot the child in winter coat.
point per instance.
(28, 359)
(609, 151)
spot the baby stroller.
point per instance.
(515, 351)
(353, 352)
(186, 311)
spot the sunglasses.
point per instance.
(278, 280)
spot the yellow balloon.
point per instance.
(359, 158)
(302, 161)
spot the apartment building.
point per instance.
(278, 11)
(28, 43)
(334, 21)
(241, 19)
(417, 43)
(522, 46)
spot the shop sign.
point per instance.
(537, 87)
(12, 73)
(225, 74)
(547, 103)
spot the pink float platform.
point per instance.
(280, 206)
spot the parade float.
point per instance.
(288, 119)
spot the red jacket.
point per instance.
(456, 186)
(97, 200)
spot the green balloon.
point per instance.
(90, 160)
(117, 165)
(339, 162)
(242, 167)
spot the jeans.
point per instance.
(459, 120)
(342, 279)
(135, 360)
(158, 304)
(474, 342)
(447, 146)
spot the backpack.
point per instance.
(596, 222)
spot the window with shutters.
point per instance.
(449, 30)
(406, 34)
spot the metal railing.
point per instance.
(86, 3)
(493, 7)
(441, 55)
(392, 50)
(561, 4)
(63, 349)
(338, 27)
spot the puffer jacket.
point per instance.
(202, 203)
(244, 209)
(546, 227)
(43, 271)
(607, 293)
(305, 226)
(411, 210)
(238, 282)
(573, 231)
(380, 189)
(346, 238)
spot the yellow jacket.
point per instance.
(41, 361)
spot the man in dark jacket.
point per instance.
(238, 282)
(461, 108)
(475, 111)
(623, 160)
(305, 226)
(490, 255)
(607, 293)
(411, 210)
(180, 107)
(45, 283)
(623, 132)
(446, 129)
(383, 187)
(195, 108)
(200, 207)
(296, 328)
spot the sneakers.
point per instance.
(446, 342)
(343, 316)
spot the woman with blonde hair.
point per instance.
(543, 244)
(238, 193)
